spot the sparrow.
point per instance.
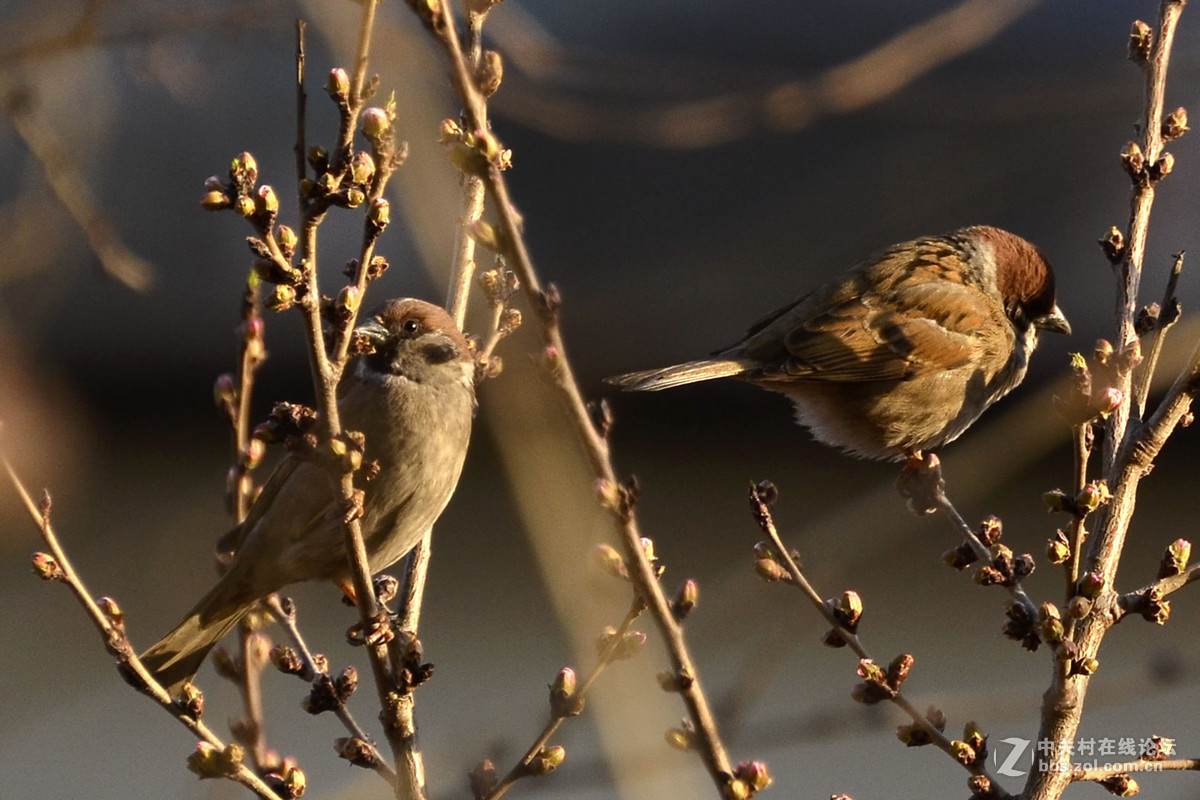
(905, 351)
(414, 399)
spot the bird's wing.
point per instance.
(915, 328)
(308, 497)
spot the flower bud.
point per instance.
(245, 205)
(380, 213)
(244, 170)
(1175, 558)
(287, 240)
(1176, 124)
(1091, 497)
(265, 201)
(1108, 401)
(375, 123)
(1163, 167)
(609, 560)
(1141, 38)
(209, 761)
(281, 299)
(490, 73)
(338, 85)
(685, 599)
(214, 201)
(547, 760)
(1090, 585)
(348, 300)
(47, 567)
(362, 168)
(1058, 550)
(769, 570)
(113, 611)
(1133, 160)
(754, 773)
(679, 739)
(1113, 244)
(962, 752)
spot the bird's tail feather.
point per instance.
(653, 380)
(178, 655)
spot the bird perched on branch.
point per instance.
(413, 397)
(902, 353)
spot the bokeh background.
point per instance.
(682, 168)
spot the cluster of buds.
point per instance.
(375, 269)
(1021, 625)
(1141, 40)
(880, 684)
(414, 670)
(620, 499)
(499, 284)
(289, 782)
(240, 192)
(1082, 503)
(1005, 568)
(1094, 393)
(292, 424)
(749, 778)
(1072, 662)
(329, 693)
(474, 152)
(612, 645)
(210, 761)
(918, 734)
(565, 701)
(962, 556)
(1151, 604)
(1142, 173)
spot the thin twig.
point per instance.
(118, 643)
(1168, 315)
(795, 576)
(577, 699)
(712, 751)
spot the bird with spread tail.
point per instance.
(905, 351)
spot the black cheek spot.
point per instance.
(439, 352)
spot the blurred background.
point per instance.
(682, 170)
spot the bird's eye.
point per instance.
(410, 326)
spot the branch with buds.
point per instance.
(477, 152)
(212, 757)
(774, 561)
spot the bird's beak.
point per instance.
(373, 331)
(1055, 321)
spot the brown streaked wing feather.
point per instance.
(930, 327)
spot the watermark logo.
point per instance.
(1014, 756)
